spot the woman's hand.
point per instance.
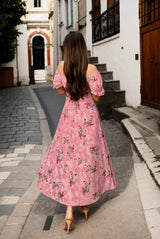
(96, 98)
(61, 91)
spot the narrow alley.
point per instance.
(28, 123)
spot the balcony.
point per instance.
(107, 24)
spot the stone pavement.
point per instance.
(21, 151)
(142, 124)
(125, 209)
(24, 210)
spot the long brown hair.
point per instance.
(75, 65)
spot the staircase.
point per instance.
(114, 97)
(39, 76)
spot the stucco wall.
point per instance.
(118, 52)
(60, 27)
(22, 51)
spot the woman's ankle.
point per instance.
(69, 212)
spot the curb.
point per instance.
(46, 135)
(142, 149)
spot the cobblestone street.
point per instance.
(19, 120)
(20, 152)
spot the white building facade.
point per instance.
(125, 35)
(65, 20)
(39, 22)
(114, 37)
(120, 50)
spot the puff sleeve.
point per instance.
(57, 81)
(96, 84)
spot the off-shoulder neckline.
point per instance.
(87, 76)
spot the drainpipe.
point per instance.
(59, 31)
(17, 66)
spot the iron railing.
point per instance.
(149, 11)
(107, 24)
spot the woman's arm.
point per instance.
(61, 91)
(96, 98)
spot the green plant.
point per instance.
(157, 158)
(11, 12)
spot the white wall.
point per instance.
(119, 52)
(23, 55)
(22, 51)
(89, 26)
(60, 27)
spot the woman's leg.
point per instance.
(69, 218)
(69, 212)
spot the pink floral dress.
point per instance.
(77, 168)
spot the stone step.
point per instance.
(39, 72)
(107, 75)
(40, 81)
(112, 99)
(101, 67)
(39, 76)
(119, 115)
(111, 85)
(92, 59)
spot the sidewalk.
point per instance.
(143, 126)
(22, 147)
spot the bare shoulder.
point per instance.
(91, 69)
(60, 67)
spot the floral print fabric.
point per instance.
(77, 168)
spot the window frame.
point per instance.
(114, 2)
(37, 3)
(149, 11)
(107, 23)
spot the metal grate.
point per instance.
(149, 11)
(107, 24)
(48, 223)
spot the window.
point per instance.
(110, 3)
(95, 14)
(69, 12)
(95, 8)
(106, 24)
(149, 11)
(37, 3)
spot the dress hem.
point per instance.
(75, 204)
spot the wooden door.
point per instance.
(38, 53)
(150, 62)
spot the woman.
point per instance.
(77, 168)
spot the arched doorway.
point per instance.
(38, 53)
